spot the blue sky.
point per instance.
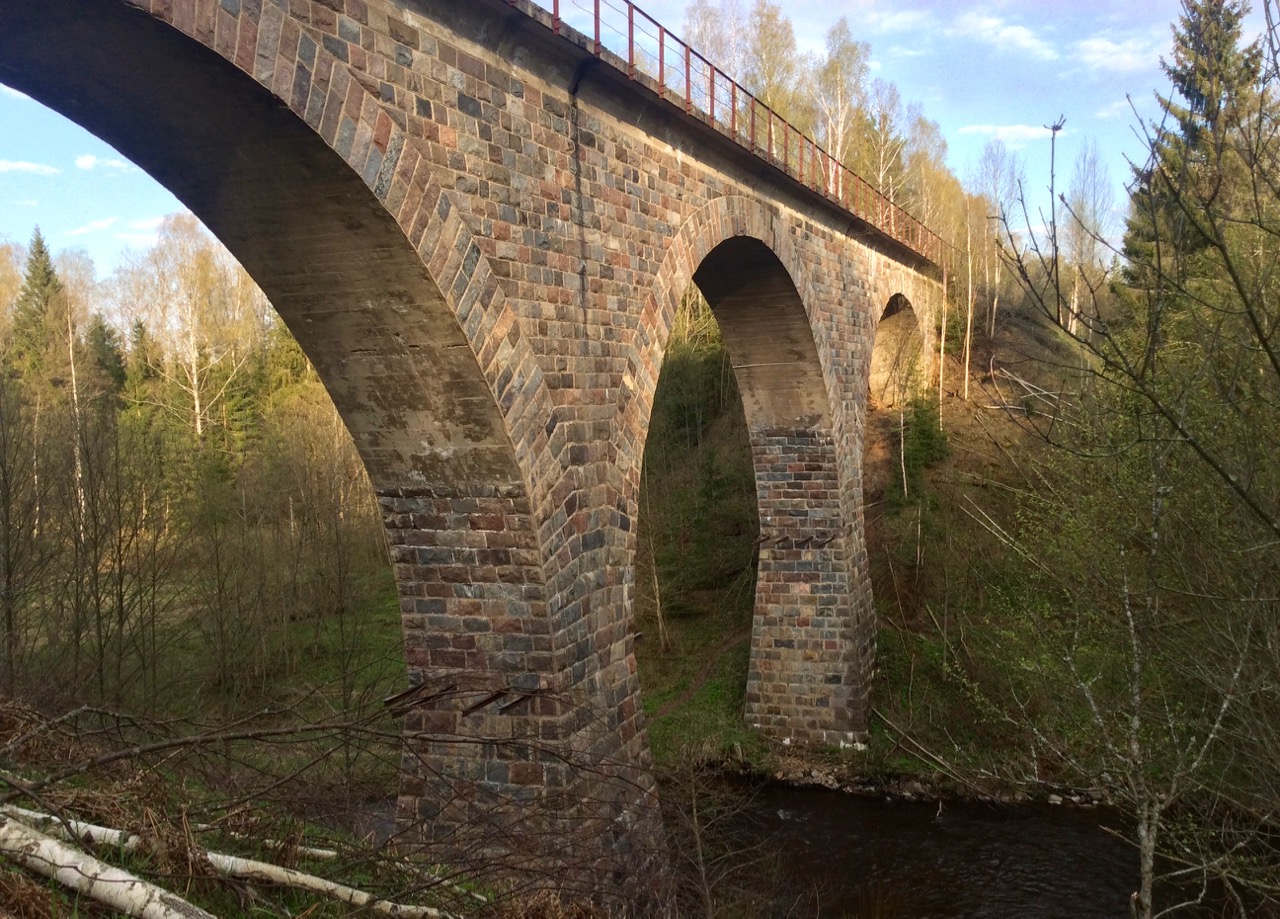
(981, 70)
(77, 188)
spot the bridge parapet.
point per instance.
(657, 58)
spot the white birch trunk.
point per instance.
(995, 302)
(90, 877)
(968, 325)
(77, 458)
(140, 897)
(942, 339)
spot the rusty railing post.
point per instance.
(662, 61)
(631, 40)
(837, 183)
(688, 79)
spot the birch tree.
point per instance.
(1091, 206)
(204, 311)
(882, 157)
(840, 95)
(999, 181)
(716, 30)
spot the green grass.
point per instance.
(710, 725)
(697, 539)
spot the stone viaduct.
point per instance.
(478, 224)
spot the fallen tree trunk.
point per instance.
(227, 865)
(236, 867)
(90, 877)
(79, 830)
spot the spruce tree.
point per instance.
(35, 308)
(1210, 71)
(1213, 76)
(102, 342)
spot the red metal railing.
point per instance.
(630, 39)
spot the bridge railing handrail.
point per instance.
(687, 79)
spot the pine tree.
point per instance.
(106, 356)
(36, 309)
(1215, 76)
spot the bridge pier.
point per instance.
(515, 762)
(811, 644)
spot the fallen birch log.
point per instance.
(80, 831)
(308, 851)
(227, 865)
(328, 855)
(247, 868)
(90, 877)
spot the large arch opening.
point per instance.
(334, 263)
(800, 661)
(697, 539)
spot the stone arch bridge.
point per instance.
(478, 224)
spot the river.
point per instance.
(805, 851)
(865, 857)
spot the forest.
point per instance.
(1072, 530)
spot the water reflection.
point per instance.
(863, 857)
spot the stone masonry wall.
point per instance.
(804, 684)
(559, 211)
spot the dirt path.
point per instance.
(703, 675)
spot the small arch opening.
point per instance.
(897, 365)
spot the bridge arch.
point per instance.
(804, 679)
(329, 200)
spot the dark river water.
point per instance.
(863, 857)
(813, 852)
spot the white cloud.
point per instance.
(29, 202)
(898, 21)
(142, 240)
(995, 31)
(147, 223)
(13, 93)
(94, 226)
(1014, 135)
(1118, 109)
(1132, 55)
(39, 169)
(88, 162)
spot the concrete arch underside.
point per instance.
(332, 205)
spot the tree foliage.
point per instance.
(1151, 546)
(172, 475)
